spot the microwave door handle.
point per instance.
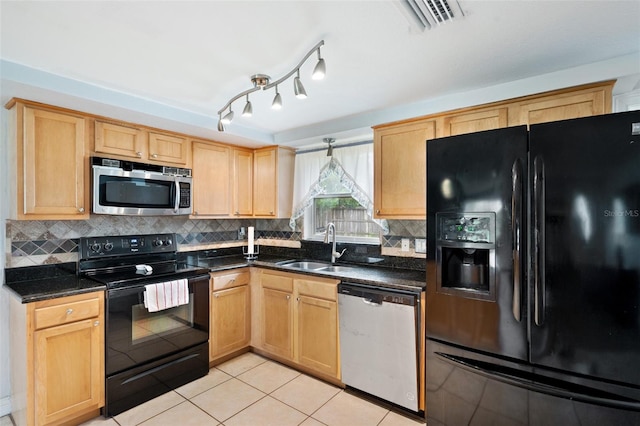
(177, 198)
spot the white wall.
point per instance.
(5, 385)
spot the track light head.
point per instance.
(298, 88)
(320, 69)
(220, 126)
(277, 100)
(228, 118)
(248, 109)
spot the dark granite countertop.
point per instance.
(36, 283)
(404, 279)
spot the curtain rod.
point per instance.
(306, 151)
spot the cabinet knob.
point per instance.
(288, 297)
(69, 311)
(154, 155)
(96, 323)
(216, 296)
(237, 213)
(271, 212)
(195, 213)
(81, 209)
(139, 154)
(377, 211)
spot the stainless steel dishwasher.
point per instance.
(379, 342)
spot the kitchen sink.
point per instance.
(310, 265)
(335, 268)
(307, 265)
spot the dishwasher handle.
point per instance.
(377, 296)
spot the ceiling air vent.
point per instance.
(428, 13)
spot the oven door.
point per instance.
(135, 336)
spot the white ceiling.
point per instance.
(174, 64)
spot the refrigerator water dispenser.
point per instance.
(465, 254)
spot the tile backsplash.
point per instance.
(31, 243)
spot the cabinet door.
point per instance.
(167, 148)
(317, 334)
(120, 140)
(400, 172)
(69, 370)
(211, 179)
(52, 166)
(230, 320)
(277, 322)
(586, 103)
(474, 121)
(243, 182)
(265, 183)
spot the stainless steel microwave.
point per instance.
(138, 189)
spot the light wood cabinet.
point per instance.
(242, 182)
(474, 121)
(399, 176)
(230, 328)
(120, 140)
(276, 292)
(316, 325)
(51, 167)
(58, 353)
(129, 141)
(273, 182)
(300, 320)
(211, 179)
(400, 147)
(562, 106)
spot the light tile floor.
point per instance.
(254, 391)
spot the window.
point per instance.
(335, 204)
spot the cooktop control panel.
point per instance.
(119, 245)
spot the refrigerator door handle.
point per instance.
(539, 241)
(542, 384)
(516, 229)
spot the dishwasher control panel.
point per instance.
(378, 295)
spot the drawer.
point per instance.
(277, 282)
(322, 290)
(65, 310)
(231, 279)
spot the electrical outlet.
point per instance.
(405, 245)
(421, 245)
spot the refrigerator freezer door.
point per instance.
(585, 256)
(483, 173)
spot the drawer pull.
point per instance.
(69, 311)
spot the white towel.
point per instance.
(166, 295)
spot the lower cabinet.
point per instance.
(58, 359)
(230, 328)
(299, 320)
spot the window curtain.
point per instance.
(352, 164)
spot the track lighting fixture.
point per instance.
(263, 82)
(329, 141)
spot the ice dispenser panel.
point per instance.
(465, 254)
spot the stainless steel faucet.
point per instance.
(331, 229)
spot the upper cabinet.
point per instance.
(242, 182)
(51, 167)
(399, 177)
(211, 179)
(273, 182)
(400, 147)
(123, 140)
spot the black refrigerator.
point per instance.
(533, 275)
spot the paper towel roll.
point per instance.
(250, 234)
